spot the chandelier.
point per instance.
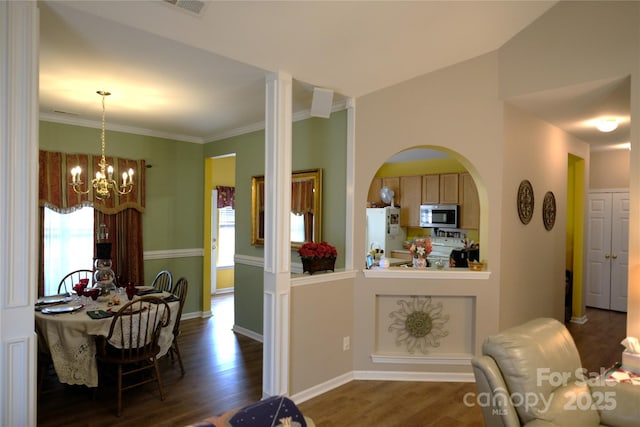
(103, 184)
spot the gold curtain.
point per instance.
(56, 193)
(121, 213)
(226, 196)
(302, 197)
(302, 204)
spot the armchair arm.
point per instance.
(618, 403)
(493, 395)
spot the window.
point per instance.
(68, 245)
(226, 236)
(297, 228)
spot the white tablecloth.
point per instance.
(69, 337)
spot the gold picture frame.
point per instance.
(306, 202)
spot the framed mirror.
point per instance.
(306, 208)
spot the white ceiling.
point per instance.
(200, 77)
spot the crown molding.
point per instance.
(300, 115)
(75, 121)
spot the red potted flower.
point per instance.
(317, 257)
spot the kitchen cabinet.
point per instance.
(431, 189)
(608, 250)
(449, 188)
(406, 255)
(393, 183)
(373, 198)
(469, 203)
(410, 200)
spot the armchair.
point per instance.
(531, 375)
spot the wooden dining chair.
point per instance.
(163, 281)
(67, 282)
(180, 291)
(131, 346)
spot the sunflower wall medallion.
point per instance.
(549, 210)
(525, 201)
(418, 324)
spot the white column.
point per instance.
(277, 246)
(19, 38)
(350, 197)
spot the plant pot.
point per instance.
(318, 264)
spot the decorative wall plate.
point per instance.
(549, 210)
(525, 201)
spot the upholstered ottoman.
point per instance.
(276, 411)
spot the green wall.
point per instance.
(174, 213)
(173, 218)
(316, 143)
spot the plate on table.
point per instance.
(52, 299)
(61, 309)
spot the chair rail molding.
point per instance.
(173, 253)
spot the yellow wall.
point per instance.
(576, 190)
(225, 279)
(217, 171)
(420, 167)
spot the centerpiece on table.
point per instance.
(317, 257)
(420, 248)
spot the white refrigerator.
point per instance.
(383, 230)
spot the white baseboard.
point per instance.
(456, 377)
(196, 315)
(317, 390)
(580, 320)
(247, 333)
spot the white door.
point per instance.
(619, 251)
(599, 237)
(214, 241)
(608, 231)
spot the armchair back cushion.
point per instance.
(540, 367)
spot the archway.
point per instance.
(426, 175)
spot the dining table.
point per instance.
(67, 326)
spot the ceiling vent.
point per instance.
(193, 6)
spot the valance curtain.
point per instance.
(122, 214)
(302, 204)
(56, 193)
(226, 197)
(302, 197)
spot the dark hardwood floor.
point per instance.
(224, 371)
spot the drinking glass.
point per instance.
(93, 293)
(78, 288)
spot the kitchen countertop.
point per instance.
(431, 273)
(395, 262)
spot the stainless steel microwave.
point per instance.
(439, 216)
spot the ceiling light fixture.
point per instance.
(103, 184)
(607, 125)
